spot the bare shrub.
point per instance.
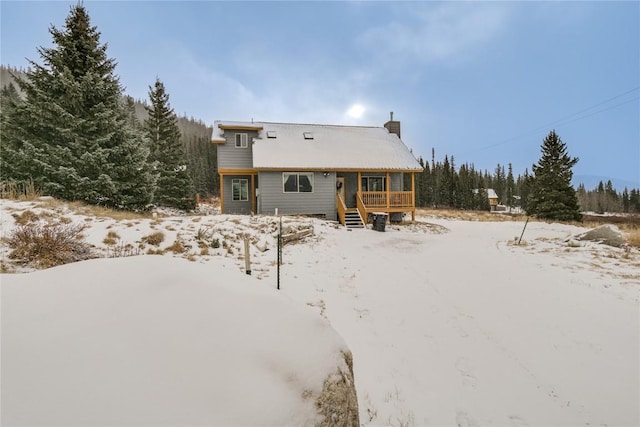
(203, 233)
(45, 245)
(122, 250)
(154, 239)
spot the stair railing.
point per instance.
(342, 208)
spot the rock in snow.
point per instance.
(154, 340)
(607, 234)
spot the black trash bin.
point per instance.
(379, 221)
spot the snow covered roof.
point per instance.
(312, 146)
(491, 193)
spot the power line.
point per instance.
(567, 119)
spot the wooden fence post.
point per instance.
(247, 256)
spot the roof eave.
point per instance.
(239, 127)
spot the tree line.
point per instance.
(444, 184)
(604, 198)
(546, 193)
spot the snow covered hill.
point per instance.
(160, 341)
(450, 322)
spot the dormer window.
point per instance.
(242, 140)
(271, 134)
(307, 135)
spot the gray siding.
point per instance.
(322, 201)
(230, 157)
(231, 206)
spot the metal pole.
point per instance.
(525, 226)
(279, 251)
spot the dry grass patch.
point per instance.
(633, 236)
(177, 247)
(484, 216)
(154, 239)
(111, 239)
(103, 212)
(19, 191)
(26, 217)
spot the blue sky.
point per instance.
(482, 81)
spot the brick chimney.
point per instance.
(393, 126)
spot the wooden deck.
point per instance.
(386, 201)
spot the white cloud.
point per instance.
(429, 33)
(278, 90)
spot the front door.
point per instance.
(340, 189)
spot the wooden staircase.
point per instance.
(352, 219)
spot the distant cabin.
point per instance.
(493, 199)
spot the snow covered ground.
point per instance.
(449, 321)
(150, 341)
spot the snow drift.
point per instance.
(161, 341)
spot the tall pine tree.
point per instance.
(552, 196)
(175, 186)
(71, 134)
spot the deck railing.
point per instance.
(382, 199)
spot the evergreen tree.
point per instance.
(445, 184)
(9, 158)
(510, 187)
(625, 201)
(201, 155)
(634, 200)
(174, 186)
(499, 182)
(552, 196)
(71, 133)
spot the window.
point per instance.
(373, 183)
(242, 140)
(240, 189)
(297, 182)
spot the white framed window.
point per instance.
(373, 183)
(240, 190)
(242, 140)
(297, 182)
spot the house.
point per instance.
(493, 199)
(341, 173)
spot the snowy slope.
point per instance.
(449, 322)
(159, 341)
(466, 329)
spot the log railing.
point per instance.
(341, 208)
(383, 199)
(361, 208)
